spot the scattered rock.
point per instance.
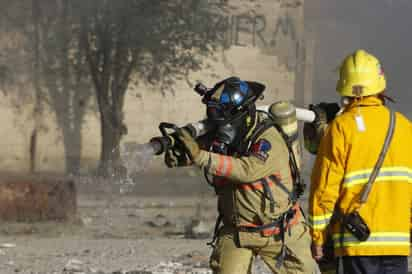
(197, 229)
(132, 215)
(159, 221)
(86, 221)
(194, 259)
(74, 265)
(7, 245)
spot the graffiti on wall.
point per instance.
(251, 28)
(264, 24)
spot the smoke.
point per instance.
(382, 27)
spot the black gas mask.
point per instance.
(230, 108)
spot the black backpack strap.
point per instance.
(298, 184)
(216, 230)
(278, 183)
(269, 194)
(260, 128)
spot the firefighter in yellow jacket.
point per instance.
(249, 161)
(346, 157)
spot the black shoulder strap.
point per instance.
(298, 184)
(260, 128)
(367, 188)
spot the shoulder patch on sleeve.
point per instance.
(260, 149)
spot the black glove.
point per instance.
(330, 109)
(190, 144)
(313, 132)
(177, 156)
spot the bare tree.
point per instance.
(73, 47)
(49, 60)
(61, 69)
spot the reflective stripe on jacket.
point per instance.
(343, 165)
(243, 198)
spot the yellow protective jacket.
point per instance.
(343, 165)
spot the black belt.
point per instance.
(275, 223)
(282, 222)
(278, 222)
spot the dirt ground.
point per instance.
(157, 226)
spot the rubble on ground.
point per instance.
(188, 264)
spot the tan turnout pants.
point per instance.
(234, 252)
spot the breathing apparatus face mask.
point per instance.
(226, 112)
(230, 109)
(229, 126)
(224, 136)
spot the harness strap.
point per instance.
(268, 193)
(274, 228)
(286, 217)
(216, 230)
(281, 256)
(298, 184)
(279, 226)
(278, 183)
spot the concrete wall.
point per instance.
(264, 41)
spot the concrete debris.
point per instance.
(197, 229)
(7, 245)
(177, 268)
(25, 199)
(74, 266)
(159, 221)
(86, 221)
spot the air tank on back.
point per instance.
(284, 115)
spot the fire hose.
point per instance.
(168, 130)
(315, 120)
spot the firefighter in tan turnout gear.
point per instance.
(361, 190)
(254, 175)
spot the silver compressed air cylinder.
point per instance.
(284, 115)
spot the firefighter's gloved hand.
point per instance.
(176, 158)
(190, 144)
(317, 252)
(313, 132)
(325, 112)
(330, 110)
(321, 119)
(171, 160)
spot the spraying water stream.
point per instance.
(135, 158)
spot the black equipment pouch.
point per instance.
(354, 223)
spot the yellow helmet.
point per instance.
(361, 69)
